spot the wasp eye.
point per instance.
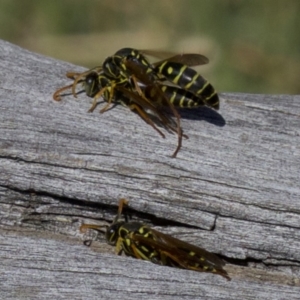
(111, 236)
(89, 80)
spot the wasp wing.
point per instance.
(187, 247)
(182, 253)
(155, 105)
(189, 59)
(143, 105)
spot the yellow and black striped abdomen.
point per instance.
(182, 98)
(177, 96)
(190, 80)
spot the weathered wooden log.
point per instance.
(233, 189)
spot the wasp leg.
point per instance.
(119, 248)
(57, 96)
(178, 129)
(122, 202)
(98, 95)
(134, 249)
(143, 115)
(137, 88)
(70, 75)
(136, 253)
(111, 94)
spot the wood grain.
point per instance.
(233, 189)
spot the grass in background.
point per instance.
(253, 46)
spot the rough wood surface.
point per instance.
(233, 189)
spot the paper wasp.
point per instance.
(176, 69)
(140, 241)
(128, 78)
(194, 89)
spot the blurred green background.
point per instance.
(253, 46)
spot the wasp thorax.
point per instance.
(113, 66)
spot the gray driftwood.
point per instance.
(233, 189)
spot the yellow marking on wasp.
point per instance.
(119, 245)
(141, 254)
(128, 242)
(192, 253)
(145, 249)
(187, 86)
(210, 96)
(202, 258)
(177, 78)
(153, 254)
(203, 88)
(123, 231)
(181, 101)
(191, 103)
(145, 63)
(172, 99)
(161, 67)
(170, 70)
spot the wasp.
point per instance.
(194, 90)
(176, 69)
(140, 241)
(128, 78)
